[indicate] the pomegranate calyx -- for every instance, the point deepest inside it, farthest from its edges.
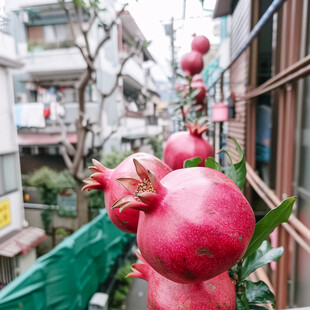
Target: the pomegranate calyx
(140, 270)
(91, 184)
(129, 183)
(155, 181)
(141, 171)
(128, 202)
(196, 129)
(98, 167)
(146, 197)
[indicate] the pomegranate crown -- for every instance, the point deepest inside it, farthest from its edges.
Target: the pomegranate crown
(98, 179)
(140, 270)
(196, 129)
(142, 192)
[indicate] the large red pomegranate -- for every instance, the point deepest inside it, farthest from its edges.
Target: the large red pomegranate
(104, 179)
(184, 145)
(192, 63)
(163, 294)
(195, 223)
(200, 44)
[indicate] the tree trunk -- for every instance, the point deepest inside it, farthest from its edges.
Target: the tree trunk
(82, 205)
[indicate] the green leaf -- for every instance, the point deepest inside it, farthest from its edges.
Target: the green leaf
(147, 43)
(268, 223)
(194, 93)
(232, 174)
(180, 75)
(79, 3)
(258, 293)
(237, 172)
(193, 162)
(240, 167)
(242, 302)
(211, 163)
(264, 255)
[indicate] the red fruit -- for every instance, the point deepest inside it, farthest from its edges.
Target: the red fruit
(184, 145)
(197, 83)
(163, 294)
(200, 44)
(104, 179)
(192, 63)
(195, 223)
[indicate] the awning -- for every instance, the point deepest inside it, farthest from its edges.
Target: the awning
(22, 242)
(222, 8)
(43, 139)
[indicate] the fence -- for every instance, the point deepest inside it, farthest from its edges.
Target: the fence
(69, 275)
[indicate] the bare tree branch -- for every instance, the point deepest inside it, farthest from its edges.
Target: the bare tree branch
(79, 15)
(66, 157)
(74, 35)
(107, 30)
(112, 132)
(119, 74)
(92, 20)
(105, 39)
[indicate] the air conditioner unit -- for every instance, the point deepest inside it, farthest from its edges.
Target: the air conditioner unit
(99, 301)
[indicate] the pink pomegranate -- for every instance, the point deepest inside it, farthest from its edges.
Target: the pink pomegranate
(197, 83)
(104, 179)
(184, 145)
(163, 294)
(192, 63)
(200, 44)
(195, 223)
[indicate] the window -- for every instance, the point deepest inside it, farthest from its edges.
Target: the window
(8, 173)
(49, 37)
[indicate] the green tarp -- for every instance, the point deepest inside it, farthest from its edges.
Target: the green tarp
(69, 275)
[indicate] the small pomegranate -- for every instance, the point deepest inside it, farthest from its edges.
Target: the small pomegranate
(195, 223)
(192, 63)
(200, 44)
(184, 145)
(104, 179)
(163, 294)
(197, 83)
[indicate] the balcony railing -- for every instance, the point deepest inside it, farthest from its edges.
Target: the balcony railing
(4, 24)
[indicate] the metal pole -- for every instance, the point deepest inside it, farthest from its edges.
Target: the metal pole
(274, 6)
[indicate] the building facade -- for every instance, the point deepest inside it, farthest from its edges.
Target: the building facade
(269, 74)
(45, 88)
(17, 239)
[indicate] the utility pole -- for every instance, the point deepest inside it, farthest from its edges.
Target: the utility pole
(173, 62)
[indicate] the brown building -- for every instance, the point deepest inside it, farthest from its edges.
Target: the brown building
(269, 74)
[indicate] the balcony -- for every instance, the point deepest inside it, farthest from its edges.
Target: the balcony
(48, 64)
(8, 54)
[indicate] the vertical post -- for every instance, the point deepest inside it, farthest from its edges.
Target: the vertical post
(217, 141)
(172, 54)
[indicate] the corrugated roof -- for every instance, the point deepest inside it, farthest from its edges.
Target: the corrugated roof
(22, 242)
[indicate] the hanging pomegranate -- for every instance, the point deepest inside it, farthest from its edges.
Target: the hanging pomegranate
(195, 223)
(192, 63)
(163, 294)
(200, 44)
(104, 179)
(197, 83)
(184, 145)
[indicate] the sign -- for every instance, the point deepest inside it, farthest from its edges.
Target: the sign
(66, 201)
(5, 213)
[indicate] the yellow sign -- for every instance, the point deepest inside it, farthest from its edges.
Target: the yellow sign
(5, 213)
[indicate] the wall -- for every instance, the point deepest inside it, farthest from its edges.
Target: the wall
(240, 29)
(8, 138)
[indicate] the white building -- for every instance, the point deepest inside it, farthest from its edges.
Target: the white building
(52, 67)
(17, 241)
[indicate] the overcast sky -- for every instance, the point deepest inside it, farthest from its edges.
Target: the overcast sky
(152, 15)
